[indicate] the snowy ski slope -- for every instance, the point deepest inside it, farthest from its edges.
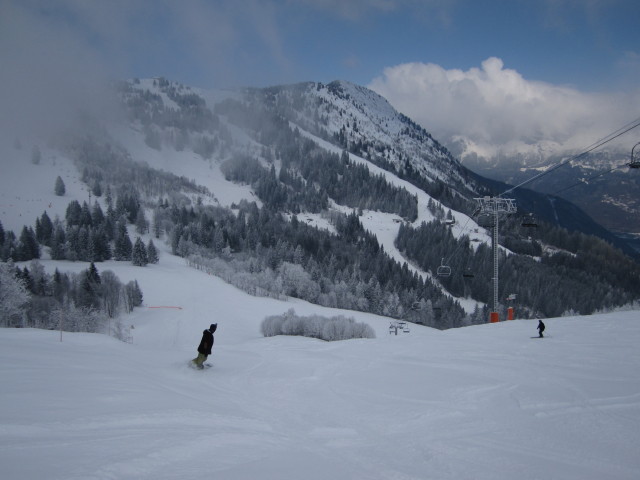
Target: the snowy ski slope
(484, 402)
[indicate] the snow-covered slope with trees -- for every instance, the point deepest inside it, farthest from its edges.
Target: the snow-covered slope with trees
(483, 402)
(225, 178)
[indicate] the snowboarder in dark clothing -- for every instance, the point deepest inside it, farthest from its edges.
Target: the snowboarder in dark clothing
(541, 328)
(204, 349)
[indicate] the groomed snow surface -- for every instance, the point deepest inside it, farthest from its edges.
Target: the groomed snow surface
(483, 402)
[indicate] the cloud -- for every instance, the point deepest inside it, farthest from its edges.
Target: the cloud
(428, 11)
(493, 110)
(59, 57)
(229, 42)
(48, 73)
(353, 9)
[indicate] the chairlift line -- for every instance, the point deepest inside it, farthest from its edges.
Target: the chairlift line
(634, 163)
(468, 273)
(529, 221)
(585, 182)
(443, 270)
(603, 141)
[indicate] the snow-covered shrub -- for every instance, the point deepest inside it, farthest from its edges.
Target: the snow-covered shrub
(315, 326)
(296, 282)
(292, 325)
(13, 297)
(80, 319)
(272, 325)
(312, 326)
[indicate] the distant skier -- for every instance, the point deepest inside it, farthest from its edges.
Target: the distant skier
(541, 328)
(204, 349)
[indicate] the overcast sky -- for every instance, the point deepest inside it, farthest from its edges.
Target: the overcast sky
(492, 71)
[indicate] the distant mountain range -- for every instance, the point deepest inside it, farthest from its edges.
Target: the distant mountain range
(600, 183)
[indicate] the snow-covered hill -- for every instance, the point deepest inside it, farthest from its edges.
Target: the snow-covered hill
(481, 402)
(376, 120)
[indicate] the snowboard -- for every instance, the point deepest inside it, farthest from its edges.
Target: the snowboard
(204, 365)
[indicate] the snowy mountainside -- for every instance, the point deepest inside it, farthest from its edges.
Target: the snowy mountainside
(27, 190)
(363, 122)
(483, 402)
(334, 157)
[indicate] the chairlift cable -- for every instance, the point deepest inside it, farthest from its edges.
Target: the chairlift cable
(603, 141)
(462, 233)
(583, 182)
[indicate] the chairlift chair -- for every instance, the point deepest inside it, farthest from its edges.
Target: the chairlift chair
(468, 273)
(443, 270)
(485, 220)
(635, 163)
(529, 221)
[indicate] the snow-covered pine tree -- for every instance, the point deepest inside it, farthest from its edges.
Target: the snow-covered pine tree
(59, 188)
(152, 252)
(139, 256)
(44, 229)
(28, 247)
(123, 247)
(142, 225)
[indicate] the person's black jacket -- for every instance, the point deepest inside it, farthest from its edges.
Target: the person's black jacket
(206, 343)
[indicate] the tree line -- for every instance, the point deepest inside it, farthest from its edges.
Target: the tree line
(551, 271)
(87, 234)
(259, 249)
(83, 302)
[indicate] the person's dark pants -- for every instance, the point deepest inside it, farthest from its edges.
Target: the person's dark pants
(199, 360)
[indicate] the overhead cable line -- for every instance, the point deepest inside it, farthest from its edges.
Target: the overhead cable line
(584, 182)
(603, 141)
(462, 234)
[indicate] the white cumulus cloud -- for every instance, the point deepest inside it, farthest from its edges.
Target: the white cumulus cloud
(498, 112)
